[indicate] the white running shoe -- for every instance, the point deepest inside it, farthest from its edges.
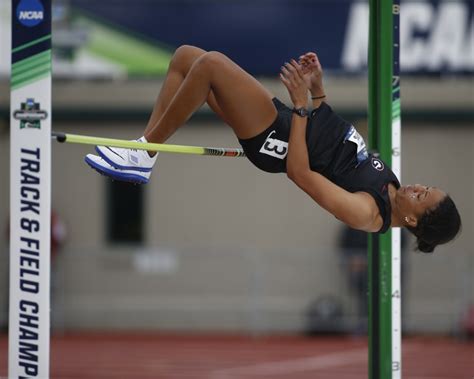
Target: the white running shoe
(103, 167)
(127, 159)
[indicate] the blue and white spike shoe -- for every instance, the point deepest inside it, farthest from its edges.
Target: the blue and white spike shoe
(127, 159)
(103, 167)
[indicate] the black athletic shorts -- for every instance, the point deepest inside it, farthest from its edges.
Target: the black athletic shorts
(268, 150)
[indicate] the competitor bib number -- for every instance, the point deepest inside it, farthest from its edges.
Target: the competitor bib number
(353, 136)
(274, 147)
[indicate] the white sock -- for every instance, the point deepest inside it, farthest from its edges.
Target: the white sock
(144, 140)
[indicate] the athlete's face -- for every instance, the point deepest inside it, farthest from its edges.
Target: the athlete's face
(413, 201)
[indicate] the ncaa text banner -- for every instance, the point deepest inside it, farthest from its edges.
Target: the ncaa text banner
(436, 36)
(30, 189)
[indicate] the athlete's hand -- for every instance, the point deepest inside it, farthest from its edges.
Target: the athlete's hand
(313, 73)
(292, 76)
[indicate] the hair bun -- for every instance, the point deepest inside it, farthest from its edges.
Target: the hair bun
(425, 247)
(437, 226)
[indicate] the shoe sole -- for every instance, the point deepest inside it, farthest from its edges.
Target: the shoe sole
(116, 165)
(124, 177)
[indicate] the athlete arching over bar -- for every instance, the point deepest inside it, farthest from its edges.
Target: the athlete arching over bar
(322, 153)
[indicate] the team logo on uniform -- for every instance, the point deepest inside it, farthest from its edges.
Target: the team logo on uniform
(30, 12)
(30, 115)
(274, 147)
(377, 164)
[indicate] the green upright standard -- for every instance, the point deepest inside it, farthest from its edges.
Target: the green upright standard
(384, 137)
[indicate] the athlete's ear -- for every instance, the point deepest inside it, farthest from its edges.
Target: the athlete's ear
(411, 221)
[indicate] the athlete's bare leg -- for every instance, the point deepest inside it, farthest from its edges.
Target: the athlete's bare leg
(194, 76)
(232, 93)
(180, 64)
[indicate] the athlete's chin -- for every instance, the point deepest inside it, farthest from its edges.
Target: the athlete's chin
(402, 195)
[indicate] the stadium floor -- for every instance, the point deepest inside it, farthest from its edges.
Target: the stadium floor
(165, 356)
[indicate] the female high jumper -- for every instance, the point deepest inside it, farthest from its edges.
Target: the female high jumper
(319, 151)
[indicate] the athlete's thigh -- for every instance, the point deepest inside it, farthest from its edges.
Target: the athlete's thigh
(246, 105)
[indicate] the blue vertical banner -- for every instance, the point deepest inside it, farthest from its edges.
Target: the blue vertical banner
(30, 189)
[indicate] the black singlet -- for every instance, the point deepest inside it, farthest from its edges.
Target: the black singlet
(335, 150)
(372, 176)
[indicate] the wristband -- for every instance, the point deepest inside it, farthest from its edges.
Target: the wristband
(318, 97)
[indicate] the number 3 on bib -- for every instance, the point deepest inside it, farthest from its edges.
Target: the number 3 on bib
(274, 147)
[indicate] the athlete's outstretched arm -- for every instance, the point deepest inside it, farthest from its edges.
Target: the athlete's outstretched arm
(358, 210)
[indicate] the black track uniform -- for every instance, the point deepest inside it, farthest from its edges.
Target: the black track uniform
(335, 150)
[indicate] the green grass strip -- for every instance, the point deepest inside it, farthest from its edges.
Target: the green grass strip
(32, 43)
(32, 62)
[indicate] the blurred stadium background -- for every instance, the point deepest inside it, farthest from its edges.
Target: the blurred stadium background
(212, 245)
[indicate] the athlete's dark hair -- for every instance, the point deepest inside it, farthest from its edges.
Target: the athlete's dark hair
(437, 226)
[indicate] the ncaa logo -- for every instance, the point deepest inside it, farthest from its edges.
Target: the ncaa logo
(30, 12)
(377, 164)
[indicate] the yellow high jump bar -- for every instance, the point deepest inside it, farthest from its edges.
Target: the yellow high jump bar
(166, 148)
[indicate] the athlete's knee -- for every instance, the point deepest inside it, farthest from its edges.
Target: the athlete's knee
(215, 57)
(185, 55)
(211, 60)
(185, 50)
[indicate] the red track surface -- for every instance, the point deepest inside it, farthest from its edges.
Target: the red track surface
(99, 355)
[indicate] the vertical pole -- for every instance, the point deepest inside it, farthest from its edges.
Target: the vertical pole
(30, 190)
(381, 60)
(396, 168)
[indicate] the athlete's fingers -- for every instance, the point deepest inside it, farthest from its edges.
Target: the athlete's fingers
(307, 57)
(286, 72)
(286, 67)
(303, 60)
(290, 67)
(297, 71)
(315, 59)
(287, 75)
(294, 73)
(285, 81)
(290, 82)
(317, 64)
(290, 73)
(311, 58)
(298, 68)
(293, 68)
